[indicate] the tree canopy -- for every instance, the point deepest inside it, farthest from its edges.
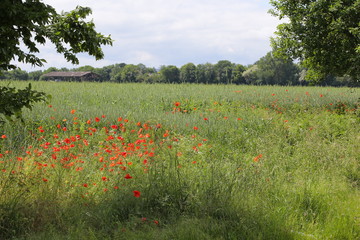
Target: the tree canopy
(29, 23)
(323, 34)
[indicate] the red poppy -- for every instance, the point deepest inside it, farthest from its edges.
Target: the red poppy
(72, 111)
(136, 194)
(3, 136)
(127, 176)
(257, 158)
(177, 104)
(44, 179)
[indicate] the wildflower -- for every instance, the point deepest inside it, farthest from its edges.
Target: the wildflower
(156, 222)
(136, 194)
(73, 111)
(196, 128)
(97, 119)
(44, 180)
(85, 185)
(104, 178)
(257, 158)
(127, 176)
(3, 136)
(177, 104)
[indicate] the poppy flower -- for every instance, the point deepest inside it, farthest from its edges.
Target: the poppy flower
(257, 158)
(177, 104)
(127, 176)
(3, 136)
(136, 194)
(72, 111)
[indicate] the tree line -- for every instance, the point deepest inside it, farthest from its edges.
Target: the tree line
(268, 70)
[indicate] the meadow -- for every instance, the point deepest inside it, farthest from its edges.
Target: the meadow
(138, 161)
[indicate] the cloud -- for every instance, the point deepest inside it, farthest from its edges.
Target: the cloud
(163, 32)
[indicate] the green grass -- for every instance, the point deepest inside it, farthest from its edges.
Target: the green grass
(229, 162)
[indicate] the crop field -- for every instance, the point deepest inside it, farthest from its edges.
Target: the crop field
(137, 161)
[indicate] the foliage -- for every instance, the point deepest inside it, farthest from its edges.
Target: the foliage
(273, 70)
(268, 70)
(33, 22)
(188, 73)
(12, 100)
(323, 35)
(170, 74)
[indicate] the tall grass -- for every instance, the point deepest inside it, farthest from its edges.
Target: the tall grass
(209, 162)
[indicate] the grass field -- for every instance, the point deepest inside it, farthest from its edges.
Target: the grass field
(136, 161)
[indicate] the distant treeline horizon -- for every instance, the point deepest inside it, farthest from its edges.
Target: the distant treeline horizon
(268, 70)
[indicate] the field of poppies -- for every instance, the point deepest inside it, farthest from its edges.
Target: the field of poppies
(137, 161)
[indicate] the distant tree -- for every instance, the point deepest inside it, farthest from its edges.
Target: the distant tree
(223, 71)
(35, 75)
(17, 74)
(205, 73)
(130, 73)
(323, 35)
(188, 73)
(170, 74)
(115, 73)
(237, 74)
(86, 68)
(273, 70)
(250, 75)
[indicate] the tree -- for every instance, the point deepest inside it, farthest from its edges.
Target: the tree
(170, 74)
(273, 70)
(188, 73)
(205, 73)
(323, 34)
(237, 74)
(33, 22)
(223, 71)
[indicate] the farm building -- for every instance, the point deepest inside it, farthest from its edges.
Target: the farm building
(71, 76)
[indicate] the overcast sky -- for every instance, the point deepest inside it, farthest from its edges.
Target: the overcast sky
(173, 32)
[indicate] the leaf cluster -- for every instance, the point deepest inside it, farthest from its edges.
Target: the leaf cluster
(12, 100)
(32, 22)
(324, 35)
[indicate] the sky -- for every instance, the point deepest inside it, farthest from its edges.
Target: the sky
(172, 32)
